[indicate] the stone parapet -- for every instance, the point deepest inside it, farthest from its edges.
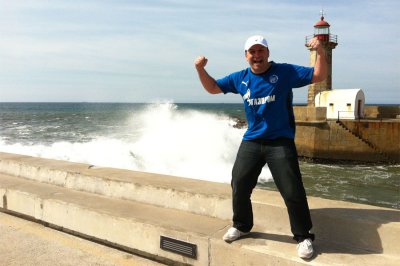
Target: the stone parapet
(382, 112)
(309, 114)
(134, 209)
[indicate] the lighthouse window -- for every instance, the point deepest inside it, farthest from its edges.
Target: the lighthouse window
(321, 30)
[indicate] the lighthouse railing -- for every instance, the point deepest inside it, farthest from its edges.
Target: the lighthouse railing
(332, 37)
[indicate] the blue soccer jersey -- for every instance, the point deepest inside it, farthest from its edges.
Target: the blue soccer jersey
(268, 98)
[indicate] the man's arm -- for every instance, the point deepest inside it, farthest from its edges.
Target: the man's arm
(320, 67)
(206, 80)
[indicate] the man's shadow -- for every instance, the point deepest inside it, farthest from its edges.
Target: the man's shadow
(355, 231)
(349, 231)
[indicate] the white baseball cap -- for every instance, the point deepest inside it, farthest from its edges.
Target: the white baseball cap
(253, 40)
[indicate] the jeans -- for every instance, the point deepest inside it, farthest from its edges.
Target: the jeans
(282, 160)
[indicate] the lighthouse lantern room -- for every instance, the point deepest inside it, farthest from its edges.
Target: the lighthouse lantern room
(321, 30)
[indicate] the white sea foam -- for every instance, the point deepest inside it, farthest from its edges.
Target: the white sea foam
(164, 140)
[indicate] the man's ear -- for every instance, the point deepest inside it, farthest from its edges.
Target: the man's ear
(245, 56)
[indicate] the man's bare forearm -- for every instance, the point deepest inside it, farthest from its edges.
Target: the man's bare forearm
(321, 66)
(206, 80)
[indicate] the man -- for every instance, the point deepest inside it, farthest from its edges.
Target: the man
(266, 89)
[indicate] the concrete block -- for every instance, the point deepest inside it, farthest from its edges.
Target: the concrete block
(114, 199)
(130, 224)
(260, 253)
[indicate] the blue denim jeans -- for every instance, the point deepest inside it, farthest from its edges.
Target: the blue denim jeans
(281, 157)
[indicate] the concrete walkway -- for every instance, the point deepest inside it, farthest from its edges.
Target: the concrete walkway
(136, 210)
(27, 243)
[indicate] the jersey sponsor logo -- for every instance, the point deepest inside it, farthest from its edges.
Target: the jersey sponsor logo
(257, 101)
(260, 101)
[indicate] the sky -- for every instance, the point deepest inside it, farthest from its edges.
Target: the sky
(143, 50)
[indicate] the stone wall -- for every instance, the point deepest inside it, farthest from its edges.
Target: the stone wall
(353, 140)
(384, 135)
(328, 140)
(382, 111)
(306, 113)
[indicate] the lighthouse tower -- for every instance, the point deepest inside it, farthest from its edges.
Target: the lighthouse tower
(329, 41)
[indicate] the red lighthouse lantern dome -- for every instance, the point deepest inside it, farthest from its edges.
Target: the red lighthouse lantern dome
(322, 23)
(321, 29)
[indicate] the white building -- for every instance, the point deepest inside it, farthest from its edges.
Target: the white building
(342, 104)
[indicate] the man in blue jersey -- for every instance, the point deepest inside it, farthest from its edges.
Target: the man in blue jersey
(266, 89)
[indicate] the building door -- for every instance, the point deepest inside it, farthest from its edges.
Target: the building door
(359, 109)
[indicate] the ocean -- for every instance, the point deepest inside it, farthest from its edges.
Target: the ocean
(197, 141)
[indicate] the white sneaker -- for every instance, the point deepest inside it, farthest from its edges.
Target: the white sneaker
(305, 249)
(232, 234)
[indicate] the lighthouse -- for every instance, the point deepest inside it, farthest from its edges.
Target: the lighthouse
(329, 42)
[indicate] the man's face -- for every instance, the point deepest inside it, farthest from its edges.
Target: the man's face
(257, 56)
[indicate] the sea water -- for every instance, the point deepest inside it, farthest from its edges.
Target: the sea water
(189, 140)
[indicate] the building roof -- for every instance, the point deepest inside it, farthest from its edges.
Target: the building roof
(339, 95)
